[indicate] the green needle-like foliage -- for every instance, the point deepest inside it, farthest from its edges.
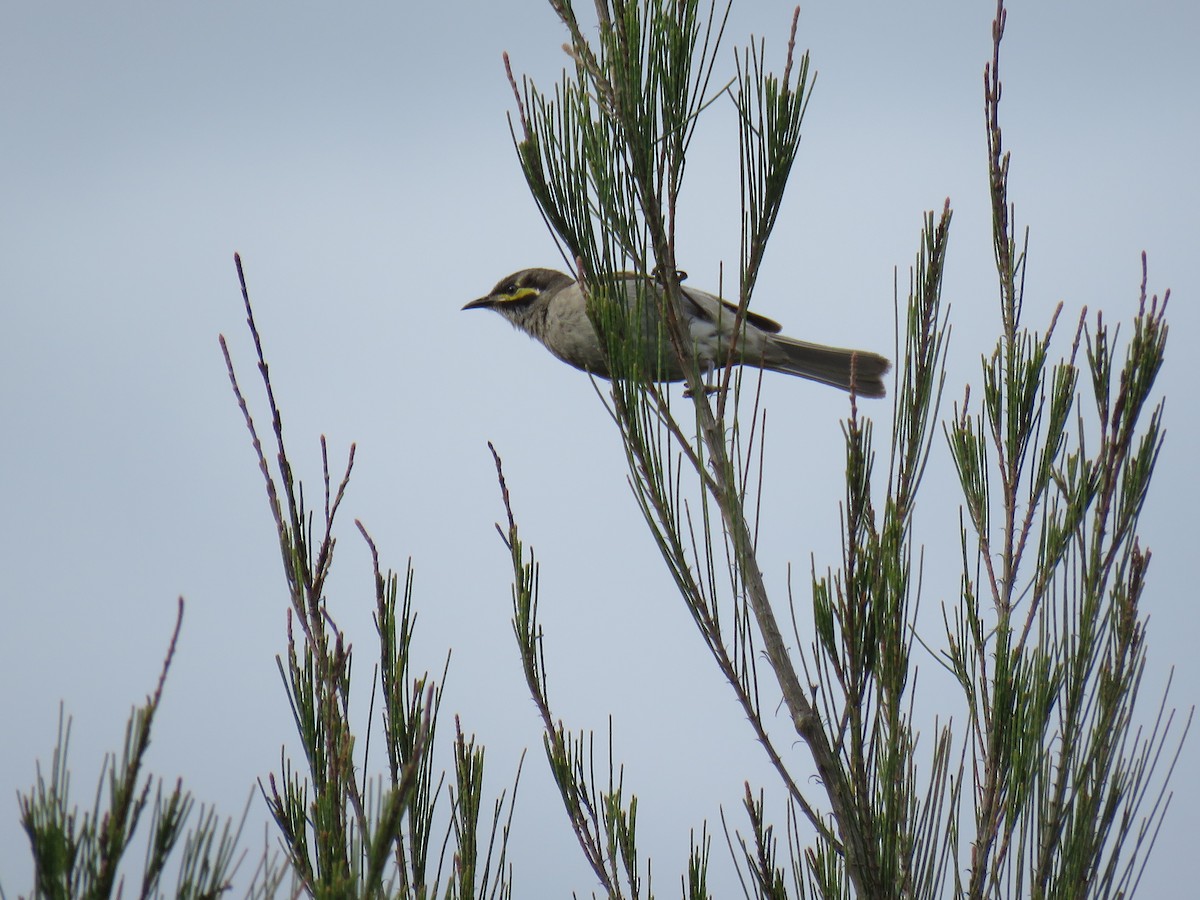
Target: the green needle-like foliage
(345, 833)
(81, 857)
(1046, 642)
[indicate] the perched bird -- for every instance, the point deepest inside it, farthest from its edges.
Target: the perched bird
(551, 307)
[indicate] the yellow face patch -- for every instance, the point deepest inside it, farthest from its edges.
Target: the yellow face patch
(522, 293)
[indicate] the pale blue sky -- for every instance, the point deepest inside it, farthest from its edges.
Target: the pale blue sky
(360, 161)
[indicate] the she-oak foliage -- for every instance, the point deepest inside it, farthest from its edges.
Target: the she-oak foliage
(1048, 789)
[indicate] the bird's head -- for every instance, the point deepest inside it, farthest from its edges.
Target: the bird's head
(515, 295)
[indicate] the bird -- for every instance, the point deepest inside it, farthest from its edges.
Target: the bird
(551, 307)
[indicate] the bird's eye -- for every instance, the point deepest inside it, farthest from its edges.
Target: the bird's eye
(510, 288)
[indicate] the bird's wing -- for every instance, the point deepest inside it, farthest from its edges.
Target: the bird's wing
(706, 306)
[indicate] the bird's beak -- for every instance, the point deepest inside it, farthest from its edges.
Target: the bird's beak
(481, 303)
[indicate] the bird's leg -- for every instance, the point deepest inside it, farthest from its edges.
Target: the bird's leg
(680, 275)
(709, 387)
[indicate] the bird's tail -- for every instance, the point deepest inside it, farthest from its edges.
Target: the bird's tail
(834, 366)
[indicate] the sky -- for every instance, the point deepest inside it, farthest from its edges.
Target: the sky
(359, 159)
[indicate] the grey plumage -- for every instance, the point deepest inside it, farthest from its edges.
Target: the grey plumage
(551, 307)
